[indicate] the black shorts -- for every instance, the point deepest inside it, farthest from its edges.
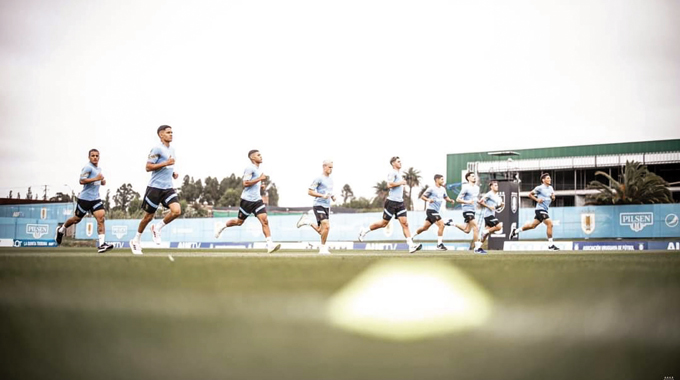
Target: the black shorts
(468, 216)
(154, 197)
(491, 221)
(432, 216)
(247, 207)
(83, 207)
(394, 210)
(541, 215)
(321, 213)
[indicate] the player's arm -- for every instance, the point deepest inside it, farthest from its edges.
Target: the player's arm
(483, 203)
(152, 166)
(534, 198)
(552, 196)
(251, 182)
(84, 180)
(446, 197)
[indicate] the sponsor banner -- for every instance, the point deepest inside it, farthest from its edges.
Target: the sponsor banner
(6, 242)
(34, 243)
(449, 246)
(537, 245)
(381, 246)
(611, 246)
(664, 245)
(208, 245)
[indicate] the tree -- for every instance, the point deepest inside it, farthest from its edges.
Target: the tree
(346, 193)
(412, 178)
(211, 191)
(198, 188)
(381, 192)
(273, 193)
(124, 195)
(420, 194)
(10, 194)
(230, 198)
(637, 185)
(60, 197)
(107, 200)
(29, 194)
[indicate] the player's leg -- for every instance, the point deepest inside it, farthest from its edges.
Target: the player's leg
(426, 226)
(440, 235)
(264, 220)
(261, 215)
(102, 246)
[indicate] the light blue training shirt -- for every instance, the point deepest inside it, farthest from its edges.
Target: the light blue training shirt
(90, 190)
(322, 185)
(492, 199)
(469, 192)
(396, 193)
(437, 194)
(252, 192)
(161, 178)
(543, 192)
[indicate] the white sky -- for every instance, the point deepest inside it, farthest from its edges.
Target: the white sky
(302, 81)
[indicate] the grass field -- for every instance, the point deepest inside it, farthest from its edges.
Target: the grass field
(69, 313)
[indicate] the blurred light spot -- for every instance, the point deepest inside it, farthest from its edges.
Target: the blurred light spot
(408, 299)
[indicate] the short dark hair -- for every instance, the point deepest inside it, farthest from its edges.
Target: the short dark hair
(437, 176)
(393, 159)
(544, 175)
(92, 150)
(468, 174)
(492, 182)
(251, 152)
(162, 128)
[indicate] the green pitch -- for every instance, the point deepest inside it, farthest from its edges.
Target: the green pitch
(70, 313)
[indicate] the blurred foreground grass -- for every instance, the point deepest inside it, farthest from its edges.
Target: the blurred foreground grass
(69, 313)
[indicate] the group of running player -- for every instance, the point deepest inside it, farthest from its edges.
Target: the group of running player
(160, 190)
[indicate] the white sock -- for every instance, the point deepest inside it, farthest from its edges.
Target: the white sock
(322, 247)
(409, 241)
(550, 240)
(62, 229)
(101, 239)
(478, 244)
(138, 237)
(161, 225)
(484, 232)
(440, 240)
(269, 240)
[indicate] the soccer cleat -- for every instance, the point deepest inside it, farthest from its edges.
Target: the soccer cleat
(449, 223)
(553, 248)
(480, 251)
(135, 247)
(514, 234)
(60, 235)
(415, 247)
(271, 248)
(156, 234)
(219, 232)
(441, 247)
(104, 247)
(324, 251)
(362, 234)
(303, 221)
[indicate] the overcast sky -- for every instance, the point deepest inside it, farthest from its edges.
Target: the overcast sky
(303, 81)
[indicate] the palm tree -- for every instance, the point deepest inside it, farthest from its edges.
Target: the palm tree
(412, 177)
(637, 186)
(381, 191)
(420, 194)
(346, 193)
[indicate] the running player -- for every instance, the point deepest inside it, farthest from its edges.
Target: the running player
(434, 196)
(468, 197)
(542, 194)
(322, 191)
(91, 178)
(161, 164)
(490, 202)
(251, 200)
(394, 206)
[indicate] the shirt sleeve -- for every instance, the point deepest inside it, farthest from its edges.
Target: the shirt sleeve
(85, 173)
(315, 184)
(154, 156)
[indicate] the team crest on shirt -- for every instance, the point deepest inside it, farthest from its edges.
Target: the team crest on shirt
(501, 194)
(514, 202)
(588, 223)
